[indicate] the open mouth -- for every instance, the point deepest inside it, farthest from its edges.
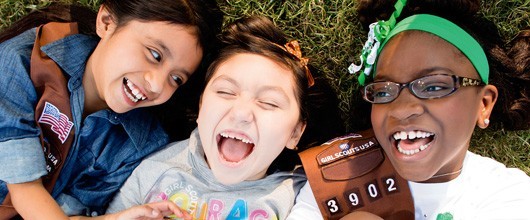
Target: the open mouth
(412, 142)
(234, 148)
(132, 92)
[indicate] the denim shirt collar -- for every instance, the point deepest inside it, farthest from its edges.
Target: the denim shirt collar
(137, 122)
(71, 54)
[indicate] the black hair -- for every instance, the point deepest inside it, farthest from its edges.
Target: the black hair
(178, 114)
(318, 103)
(509, 62)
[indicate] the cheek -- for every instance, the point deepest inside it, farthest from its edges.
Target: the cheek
(209, 113)
(457, 109)
(278, 131)
(378, 116)
(167, 93)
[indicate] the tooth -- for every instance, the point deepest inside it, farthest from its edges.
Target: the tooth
(403, 135)
(135, 92)
(396, 136)
(130, 96)
(412, 135)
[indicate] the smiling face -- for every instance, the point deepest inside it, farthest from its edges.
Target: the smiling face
(139, 64)
(249, 112)
(425, 138)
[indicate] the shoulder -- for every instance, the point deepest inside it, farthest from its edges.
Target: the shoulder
(15, 55)
(156, 164)
(493, 180)
(17, 51)
(172, 152)
(21, 42)
(480, 167)
(173, 155)
(288, 184)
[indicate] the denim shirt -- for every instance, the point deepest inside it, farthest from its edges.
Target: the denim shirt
(107, 146)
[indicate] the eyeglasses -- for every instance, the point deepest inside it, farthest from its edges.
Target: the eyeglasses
(427, 87)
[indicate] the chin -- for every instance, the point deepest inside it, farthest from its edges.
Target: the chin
(227, 180)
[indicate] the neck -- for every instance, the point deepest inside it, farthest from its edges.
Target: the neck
(92, 102)
(444, 177)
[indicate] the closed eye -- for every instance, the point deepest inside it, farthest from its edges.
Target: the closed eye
(225, 93)
(268, 105)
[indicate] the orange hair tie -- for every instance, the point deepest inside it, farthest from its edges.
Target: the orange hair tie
(294, 48)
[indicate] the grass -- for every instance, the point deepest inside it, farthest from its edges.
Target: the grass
(330, 34)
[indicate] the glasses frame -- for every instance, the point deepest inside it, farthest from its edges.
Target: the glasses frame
(458, 82)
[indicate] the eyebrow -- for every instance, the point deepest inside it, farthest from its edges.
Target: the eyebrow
(261, 89)
(416, 75)
(275, 89)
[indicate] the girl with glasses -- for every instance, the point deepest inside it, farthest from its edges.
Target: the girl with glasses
(433, 72)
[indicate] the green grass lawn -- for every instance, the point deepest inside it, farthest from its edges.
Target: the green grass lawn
(331, 36)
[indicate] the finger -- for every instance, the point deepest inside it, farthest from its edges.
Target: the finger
(168, 208)
(139, 212)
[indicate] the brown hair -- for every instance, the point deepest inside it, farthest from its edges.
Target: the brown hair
(318, 103)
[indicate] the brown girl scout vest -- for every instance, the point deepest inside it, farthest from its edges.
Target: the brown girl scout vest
(52, 113)
(352, 173)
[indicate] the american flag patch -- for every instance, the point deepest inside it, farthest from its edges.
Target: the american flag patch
(60, 123)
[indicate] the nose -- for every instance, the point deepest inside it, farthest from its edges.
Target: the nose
(156, 81)
(242, 111)
(406, 106)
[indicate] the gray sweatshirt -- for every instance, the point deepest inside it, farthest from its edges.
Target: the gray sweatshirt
(179, 173)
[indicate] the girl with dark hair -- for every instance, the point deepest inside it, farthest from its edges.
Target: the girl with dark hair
(433, 71)
(260, 102)
(73, 122)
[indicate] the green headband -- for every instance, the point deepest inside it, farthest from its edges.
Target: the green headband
(382, 31)
(451, 33)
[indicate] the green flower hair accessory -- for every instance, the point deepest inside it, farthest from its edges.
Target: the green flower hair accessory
(378, 33)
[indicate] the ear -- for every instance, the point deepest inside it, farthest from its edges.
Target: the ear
(489, 96)
(200, 104)
(296, 135)
(105, 24)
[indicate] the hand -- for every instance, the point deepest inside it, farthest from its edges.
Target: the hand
(32, 201)
(361, 215)
(156, 210)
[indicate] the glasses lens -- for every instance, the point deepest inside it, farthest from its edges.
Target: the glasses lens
(433, 86)
(381, 92)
